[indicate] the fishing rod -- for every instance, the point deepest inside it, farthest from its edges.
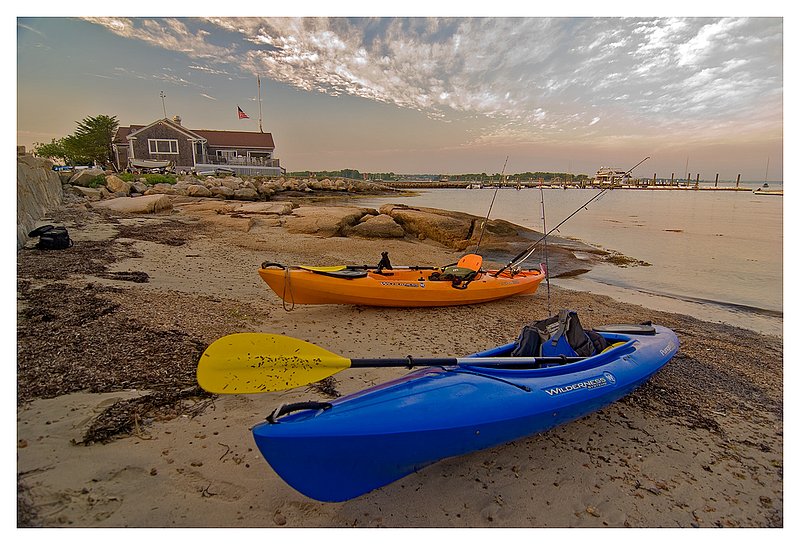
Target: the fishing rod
(485, 221)
(546, 261)
(525, 254)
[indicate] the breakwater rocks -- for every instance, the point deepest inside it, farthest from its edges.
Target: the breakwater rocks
(95, 185)
(241, 203)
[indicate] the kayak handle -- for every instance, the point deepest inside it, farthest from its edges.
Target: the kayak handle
(301, 406)
(266, 264)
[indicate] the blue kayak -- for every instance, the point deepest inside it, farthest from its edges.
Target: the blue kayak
(340, 450)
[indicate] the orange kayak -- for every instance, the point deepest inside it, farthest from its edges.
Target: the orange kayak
(398, 287)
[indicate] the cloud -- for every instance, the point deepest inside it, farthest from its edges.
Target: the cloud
(529, 77)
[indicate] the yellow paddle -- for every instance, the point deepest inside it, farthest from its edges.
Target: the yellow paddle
(331, 268)
(253, 363)
(249, 363)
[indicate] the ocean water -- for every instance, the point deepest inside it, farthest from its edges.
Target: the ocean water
(715, 255)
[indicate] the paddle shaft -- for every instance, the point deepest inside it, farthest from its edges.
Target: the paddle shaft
(253, 363)
(489, 361)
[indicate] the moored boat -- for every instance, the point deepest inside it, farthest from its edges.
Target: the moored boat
(338, 450)
(765, 190)
(462, 283)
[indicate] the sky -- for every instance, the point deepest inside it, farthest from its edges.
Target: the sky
(429, 94)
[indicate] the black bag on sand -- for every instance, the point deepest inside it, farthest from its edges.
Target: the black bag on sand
(51, 238)
(560, 335)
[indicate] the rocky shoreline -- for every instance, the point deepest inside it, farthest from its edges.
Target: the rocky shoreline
(109, 417)
(285, 202)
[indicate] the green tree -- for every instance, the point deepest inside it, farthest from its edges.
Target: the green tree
(91, 142)
(94, 136)
(54, 150)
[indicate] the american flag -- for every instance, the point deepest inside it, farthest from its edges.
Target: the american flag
(242, 115)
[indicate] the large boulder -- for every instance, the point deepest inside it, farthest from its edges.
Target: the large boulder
(85, 176)
(326, 221)
(380, 226)
(431, 223)
(146, 204)
(38, 191)
(115, 184)
(162, 189)
(197, 190)
(90, 193)
(222, 191)
(245, 194)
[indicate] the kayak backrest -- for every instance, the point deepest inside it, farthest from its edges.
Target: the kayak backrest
(559, 335)
(472, 262)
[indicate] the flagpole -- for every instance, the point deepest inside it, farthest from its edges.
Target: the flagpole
(259, 104)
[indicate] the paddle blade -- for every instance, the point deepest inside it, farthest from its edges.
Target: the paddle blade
(252, 363)
(331, 268)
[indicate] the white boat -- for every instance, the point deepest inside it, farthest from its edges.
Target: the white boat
(765, 190)
(149, 164)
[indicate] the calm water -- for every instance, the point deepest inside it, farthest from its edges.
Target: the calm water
(716, 255)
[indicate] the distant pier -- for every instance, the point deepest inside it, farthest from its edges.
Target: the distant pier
(643, 185)
(605, 179)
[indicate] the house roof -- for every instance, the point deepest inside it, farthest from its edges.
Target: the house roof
(232, 139)
(237, 138)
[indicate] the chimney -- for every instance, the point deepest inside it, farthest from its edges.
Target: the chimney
(176, 119)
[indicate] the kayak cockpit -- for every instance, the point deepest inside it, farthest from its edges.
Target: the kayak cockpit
(619, 346)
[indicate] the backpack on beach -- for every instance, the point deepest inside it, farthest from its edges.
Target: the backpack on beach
(559, 335)
(51, 238)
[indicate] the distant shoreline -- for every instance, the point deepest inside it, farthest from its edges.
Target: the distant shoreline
(424, 184)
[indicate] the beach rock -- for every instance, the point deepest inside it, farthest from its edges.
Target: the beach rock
(431, 223)
(115, 184)
(266, 190)
(91, 193)
(326, 221)
(233, 182)
(279, 208)
(197, 190)
(245, 194)
(161, 189)
(222, 191)
(39, 189)
(380, 226)
(84, 176)
(146, 204)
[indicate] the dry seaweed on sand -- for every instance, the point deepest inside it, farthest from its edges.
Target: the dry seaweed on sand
(74, 338)
(133, 415)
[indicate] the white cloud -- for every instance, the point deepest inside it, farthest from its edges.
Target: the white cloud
(524, 76)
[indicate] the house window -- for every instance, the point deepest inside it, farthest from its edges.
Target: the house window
(226, 153)
(163, 146)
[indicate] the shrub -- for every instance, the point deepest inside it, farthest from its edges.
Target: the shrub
(97, 181)
(149, 179)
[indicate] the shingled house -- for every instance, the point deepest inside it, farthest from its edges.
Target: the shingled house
(167, 141)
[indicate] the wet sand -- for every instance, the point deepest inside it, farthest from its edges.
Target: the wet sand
(128, 309)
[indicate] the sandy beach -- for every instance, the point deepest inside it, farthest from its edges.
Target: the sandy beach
(112, 431)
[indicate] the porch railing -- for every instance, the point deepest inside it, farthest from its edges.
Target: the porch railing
(238, 161)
